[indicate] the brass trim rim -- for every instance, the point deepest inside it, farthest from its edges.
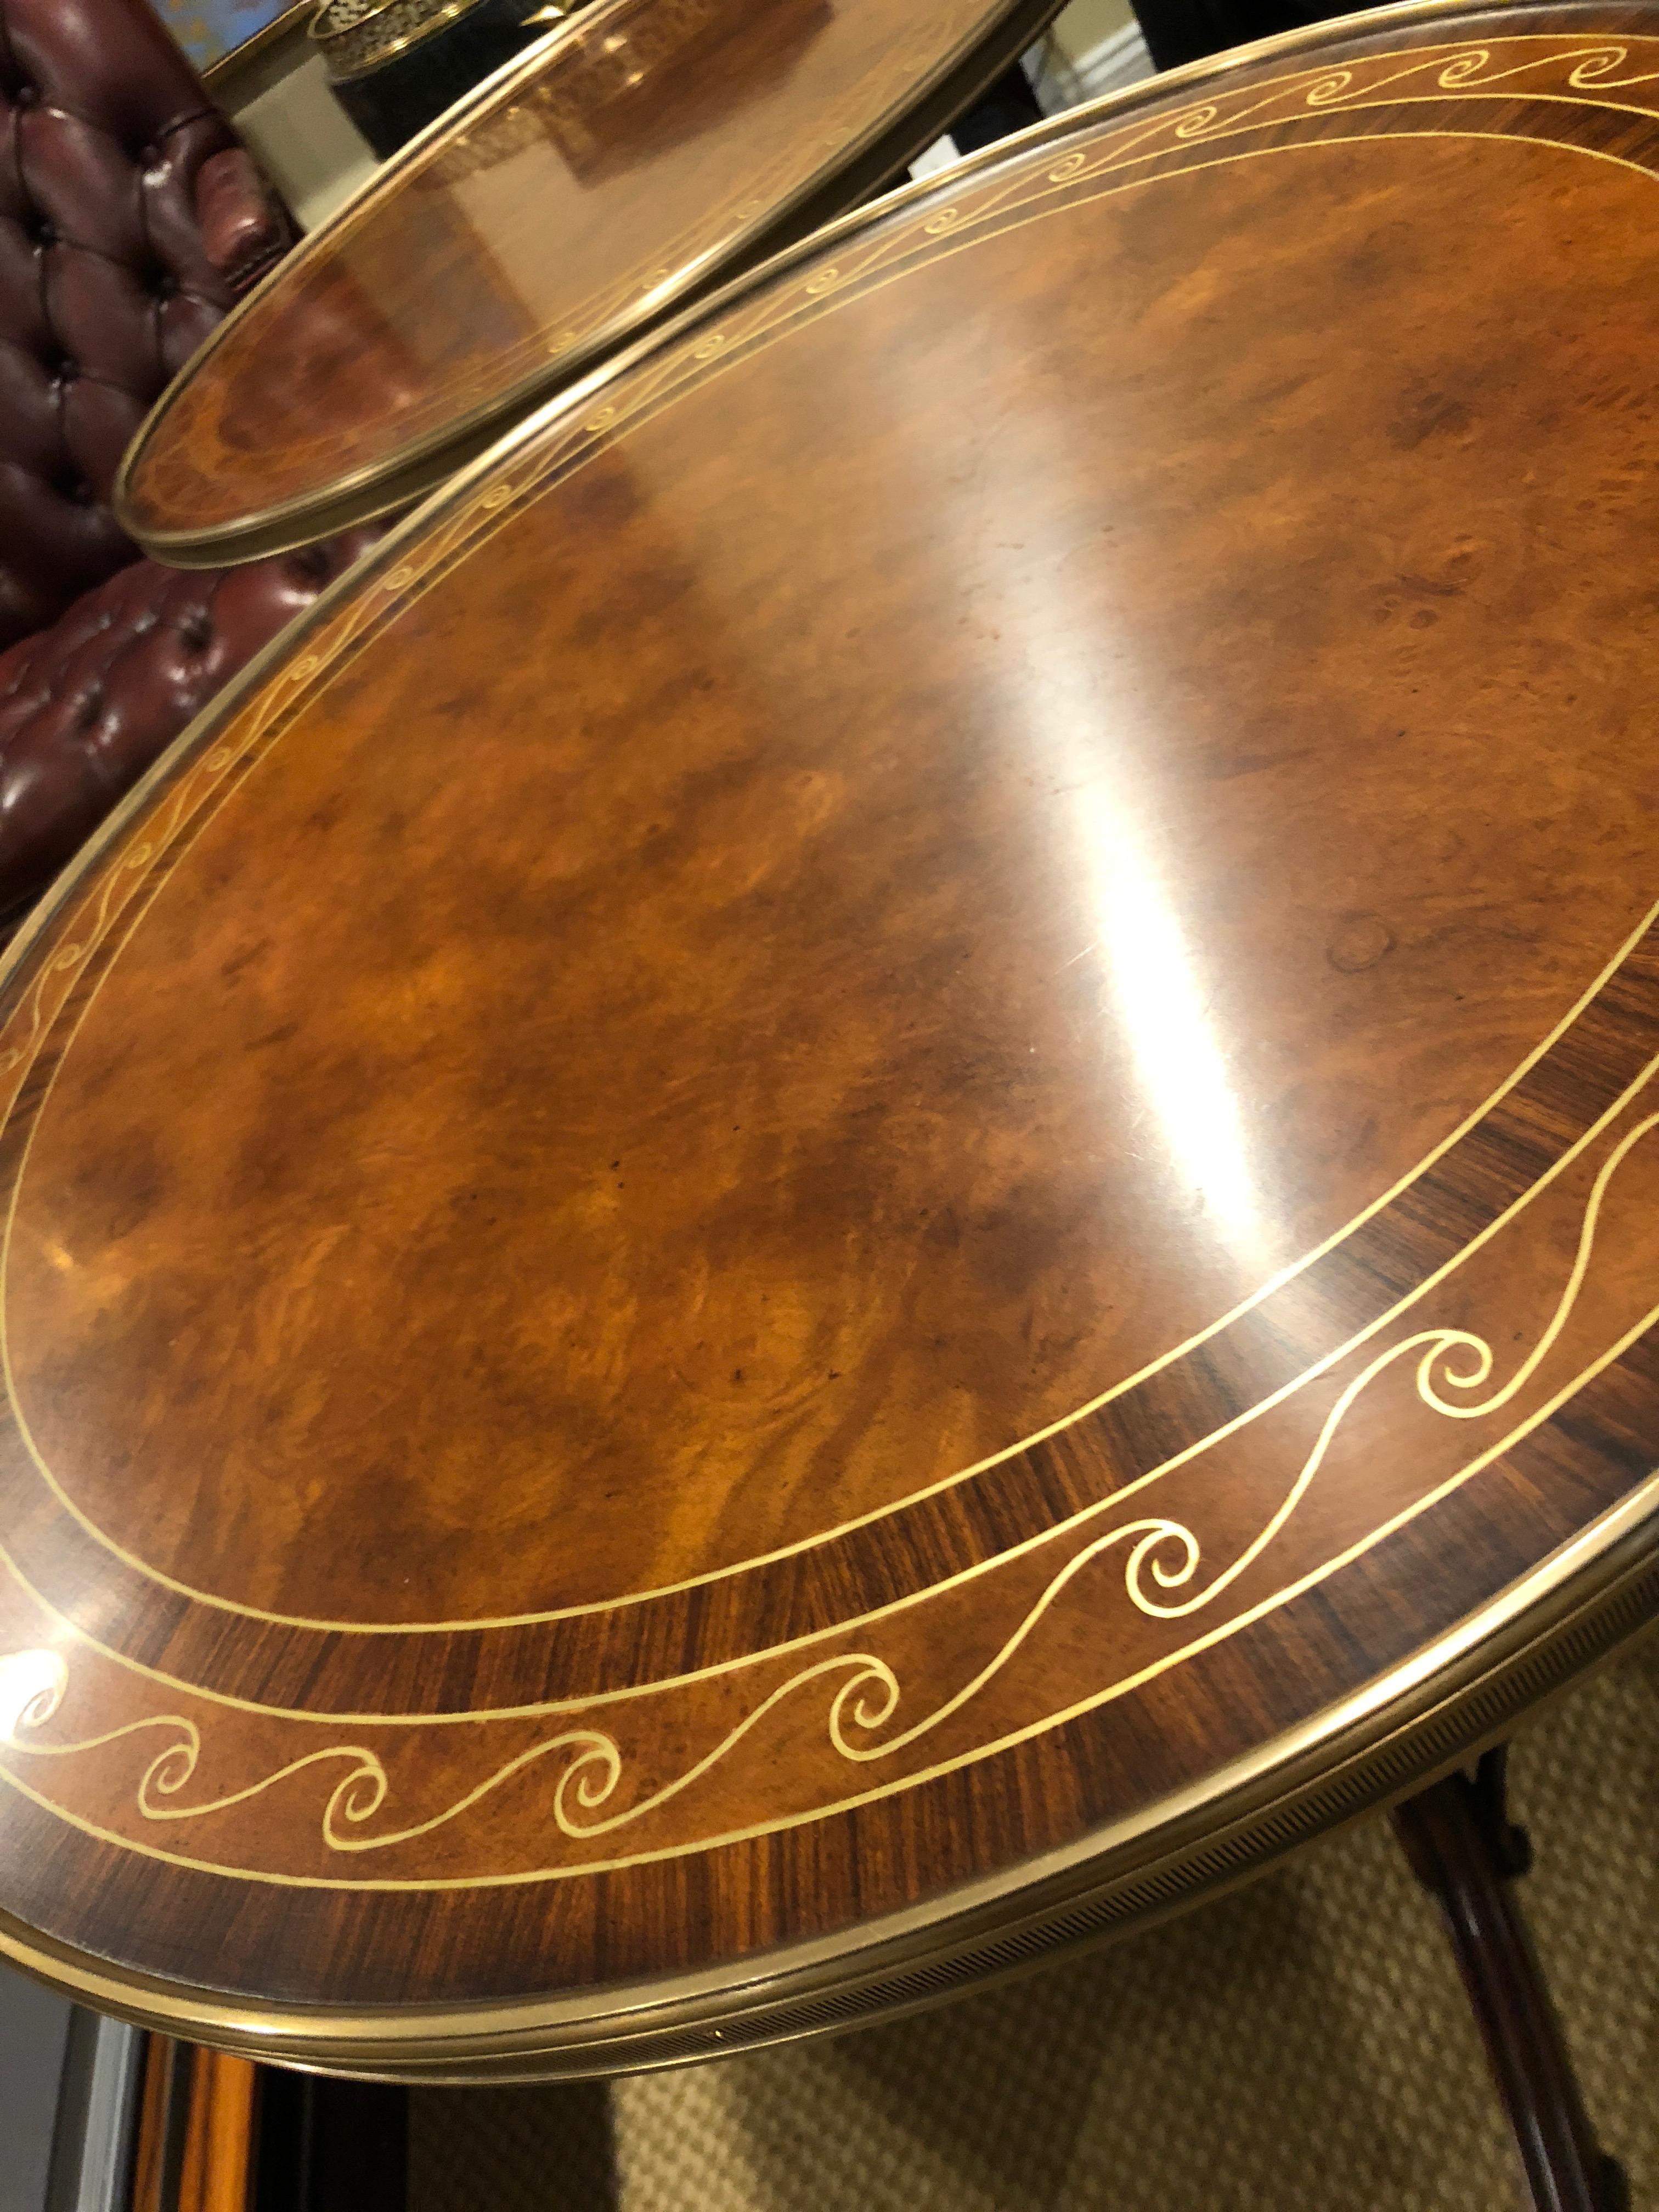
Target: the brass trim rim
(1383, 1741)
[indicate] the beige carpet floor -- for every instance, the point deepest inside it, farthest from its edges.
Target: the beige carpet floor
(1303, 2044)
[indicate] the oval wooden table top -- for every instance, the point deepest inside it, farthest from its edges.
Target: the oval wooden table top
(872, 1170)
(645, 151)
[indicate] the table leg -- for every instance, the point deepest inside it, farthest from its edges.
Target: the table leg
(1463, 1847)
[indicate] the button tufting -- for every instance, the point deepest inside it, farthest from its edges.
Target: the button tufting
(26, 95)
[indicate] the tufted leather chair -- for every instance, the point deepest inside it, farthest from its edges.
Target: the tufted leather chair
(130, 220)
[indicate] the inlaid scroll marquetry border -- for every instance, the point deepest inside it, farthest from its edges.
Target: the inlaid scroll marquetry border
(1455, 1377)
(1382, 1271)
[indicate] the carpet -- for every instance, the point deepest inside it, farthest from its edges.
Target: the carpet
(1302, 2044)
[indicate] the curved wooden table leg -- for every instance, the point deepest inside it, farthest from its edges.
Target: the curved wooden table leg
(1463, 1847)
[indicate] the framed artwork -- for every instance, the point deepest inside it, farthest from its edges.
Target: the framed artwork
(208, 30)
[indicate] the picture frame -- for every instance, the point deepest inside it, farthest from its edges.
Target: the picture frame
(213, 31)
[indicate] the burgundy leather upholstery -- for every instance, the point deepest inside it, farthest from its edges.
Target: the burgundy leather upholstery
(131, 218)
(245, 231)
(86, 705)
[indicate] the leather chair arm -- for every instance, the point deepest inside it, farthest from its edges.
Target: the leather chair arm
(246, 230)
(86, 705)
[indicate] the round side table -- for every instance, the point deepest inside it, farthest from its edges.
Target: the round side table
(641, 152)
(868, 1176)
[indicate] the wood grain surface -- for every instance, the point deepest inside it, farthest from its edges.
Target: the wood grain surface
(899, 1100)
(648, 148)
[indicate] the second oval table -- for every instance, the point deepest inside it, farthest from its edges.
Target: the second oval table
(870, 1174)
(639, 153)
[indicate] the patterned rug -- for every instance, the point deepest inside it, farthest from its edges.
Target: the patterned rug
(1303, 2044)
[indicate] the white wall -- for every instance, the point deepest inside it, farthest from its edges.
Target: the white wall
(1080, 27)
(301, 135)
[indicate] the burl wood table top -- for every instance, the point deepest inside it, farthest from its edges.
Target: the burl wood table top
(872, 1170)
(646, 149)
